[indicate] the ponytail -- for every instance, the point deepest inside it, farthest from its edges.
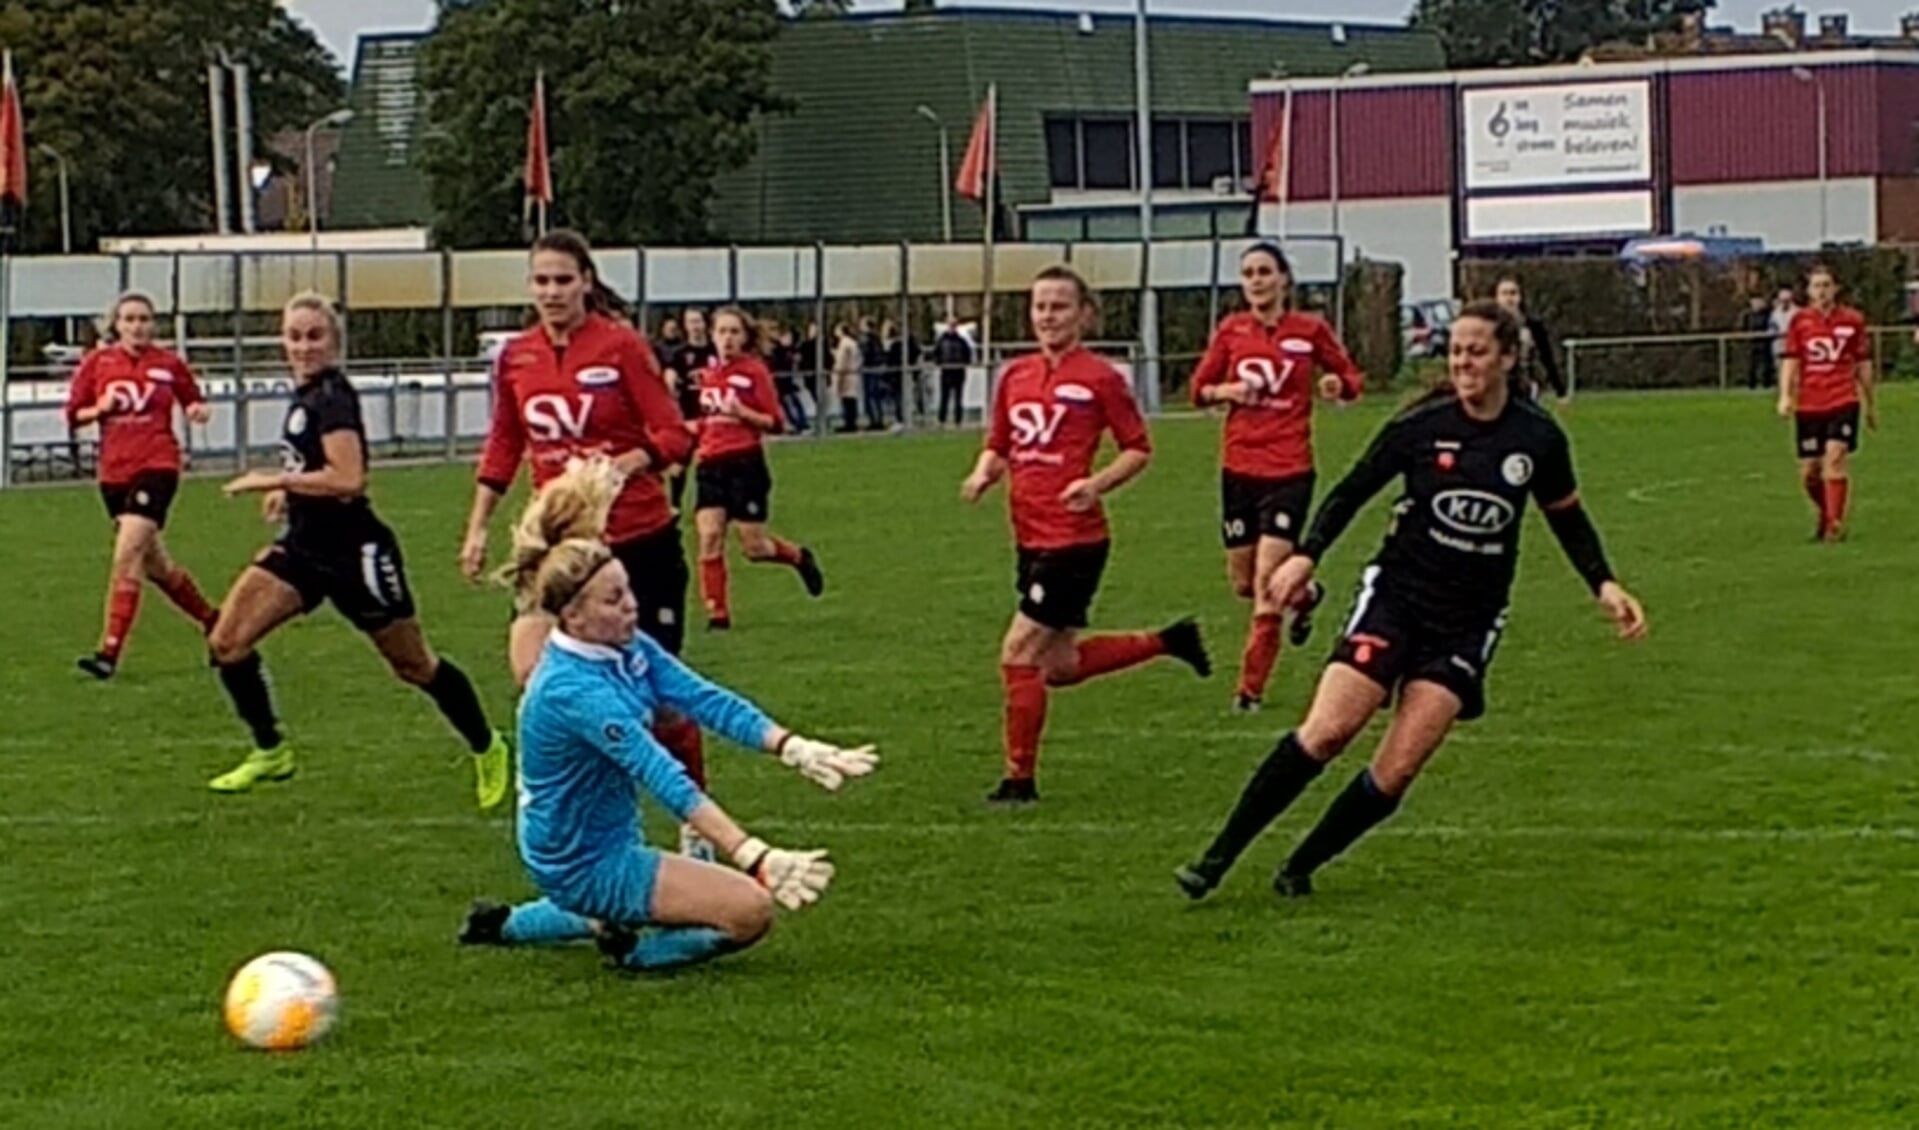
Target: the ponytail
(556, 543)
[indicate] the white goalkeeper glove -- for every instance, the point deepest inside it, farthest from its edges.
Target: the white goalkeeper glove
(794, 878)
(827, 765)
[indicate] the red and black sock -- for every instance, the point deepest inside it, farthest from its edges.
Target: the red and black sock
(1837, 495)
(713, 588)
(1025, 718)
(123, 604)
(1102, 655)
(681, 737)
(785, 553)
(1262, 651)
(185, 595)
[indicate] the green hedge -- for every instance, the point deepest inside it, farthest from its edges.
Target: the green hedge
(1598, 297)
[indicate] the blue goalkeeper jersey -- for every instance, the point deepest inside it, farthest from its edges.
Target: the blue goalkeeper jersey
(585, 744)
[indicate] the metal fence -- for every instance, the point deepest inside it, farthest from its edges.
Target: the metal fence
(435, 403)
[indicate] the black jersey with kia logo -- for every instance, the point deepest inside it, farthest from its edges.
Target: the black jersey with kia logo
(1453, 546)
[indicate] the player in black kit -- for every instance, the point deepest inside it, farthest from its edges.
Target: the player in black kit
(334, 548)
(1431, 605)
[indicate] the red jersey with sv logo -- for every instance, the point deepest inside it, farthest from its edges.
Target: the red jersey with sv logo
(1047, 423)
(1271, 435)
(599, 394)
(142, 389)
(1829, 348)
(745, 380)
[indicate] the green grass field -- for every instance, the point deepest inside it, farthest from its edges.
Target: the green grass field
(1664, 885)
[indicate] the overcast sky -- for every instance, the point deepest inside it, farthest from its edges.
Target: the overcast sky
(340, 21)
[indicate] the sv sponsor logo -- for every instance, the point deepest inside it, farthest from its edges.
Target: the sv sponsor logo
(129, 397)
(1035, 424)
(555, 418)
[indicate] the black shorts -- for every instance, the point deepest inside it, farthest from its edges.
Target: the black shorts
(1056, 586)
(1392, 641)
(740, 484)
(656, 568)
(1817, 429)
(148, 495)
(1251, 508)
(365, 578)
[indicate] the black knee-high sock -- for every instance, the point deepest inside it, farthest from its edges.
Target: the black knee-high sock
(1356, 811)
(1276, 784)
(453, 693)
(246, 684)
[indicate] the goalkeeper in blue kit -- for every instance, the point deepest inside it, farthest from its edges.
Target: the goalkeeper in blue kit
(585, 744)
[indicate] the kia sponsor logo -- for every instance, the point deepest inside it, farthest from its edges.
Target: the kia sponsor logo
(1473, 511)
(599, 375)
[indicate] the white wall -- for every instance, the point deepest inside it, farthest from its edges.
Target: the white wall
(1783, 213)
(1416, 232)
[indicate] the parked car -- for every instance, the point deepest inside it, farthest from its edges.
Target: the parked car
(1425, 327)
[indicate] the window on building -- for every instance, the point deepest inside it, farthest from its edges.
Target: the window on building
(1209, 153)
(1169, 154)
(1062, 152)
(1106, 153)
(1188, 153)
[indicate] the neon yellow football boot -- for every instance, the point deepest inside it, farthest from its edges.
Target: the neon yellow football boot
(492, 771)
(274, 764)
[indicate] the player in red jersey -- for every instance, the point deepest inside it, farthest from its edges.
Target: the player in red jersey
(1825, 378)
(738, 404)
(1266, 365)
(130, 389)
(1049, 413)
(578, 383)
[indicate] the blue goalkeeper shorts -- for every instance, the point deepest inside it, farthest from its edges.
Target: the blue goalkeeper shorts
(618, 889)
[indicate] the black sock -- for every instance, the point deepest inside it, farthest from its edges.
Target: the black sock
(1276, 784)
(453, 693)
(1352, 814)
(246, 684)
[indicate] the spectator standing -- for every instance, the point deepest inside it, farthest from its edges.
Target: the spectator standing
(1538, 365)
(1757, 324)
(784, 359)
(848, 363)
(952, 353)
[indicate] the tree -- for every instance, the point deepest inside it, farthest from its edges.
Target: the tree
(648, 101)
(119, 88)
(825, 9)
(1506, 33)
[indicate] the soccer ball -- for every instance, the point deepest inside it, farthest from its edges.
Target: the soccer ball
(281, 1001)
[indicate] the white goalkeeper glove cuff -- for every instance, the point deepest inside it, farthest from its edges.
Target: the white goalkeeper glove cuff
(825, 764)
(795, 879)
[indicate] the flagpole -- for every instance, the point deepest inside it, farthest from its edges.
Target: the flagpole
(11, 216)
(986, 246)
(1284, 159)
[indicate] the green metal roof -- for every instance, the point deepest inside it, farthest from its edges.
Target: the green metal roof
(377, 182)
(854, 162)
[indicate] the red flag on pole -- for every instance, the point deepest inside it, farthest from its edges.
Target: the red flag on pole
(13, 148)
(538, 175)
(982, 159)
(1272, 182)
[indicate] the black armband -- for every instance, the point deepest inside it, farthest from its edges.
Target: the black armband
(1581, 542)
(496, 486)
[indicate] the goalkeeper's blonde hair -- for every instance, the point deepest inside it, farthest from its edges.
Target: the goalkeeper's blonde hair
(556, 543)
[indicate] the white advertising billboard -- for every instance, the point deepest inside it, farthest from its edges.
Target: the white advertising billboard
(1557, 136)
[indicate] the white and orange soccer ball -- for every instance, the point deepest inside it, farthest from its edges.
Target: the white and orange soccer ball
(281, 1001)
